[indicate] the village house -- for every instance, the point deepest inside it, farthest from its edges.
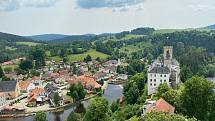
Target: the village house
(100, 76)
(26, 86)
(10, 89)
(37, 96)
(166, 70)
(50, 91)
(158, 106)
(3, 101)
(37, 81)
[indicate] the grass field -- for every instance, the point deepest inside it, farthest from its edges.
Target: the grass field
(10, 66)
(80, 57)
(135, 47)
(28, 43)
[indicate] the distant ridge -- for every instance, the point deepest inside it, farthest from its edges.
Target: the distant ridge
(211, 27)
(47, 37)
(13, 38)
(76, 38)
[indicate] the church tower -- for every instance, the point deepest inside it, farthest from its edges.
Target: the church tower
(167, 55)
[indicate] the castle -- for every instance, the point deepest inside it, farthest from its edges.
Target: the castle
(166, 70)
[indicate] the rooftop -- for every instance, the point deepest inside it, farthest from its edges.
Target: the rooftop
(7, 86)
(160, 70)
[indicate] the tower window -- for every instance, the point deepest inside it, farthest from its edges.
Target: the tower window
(150, 80)
(161, 81)
(161, 75)
(154, 80)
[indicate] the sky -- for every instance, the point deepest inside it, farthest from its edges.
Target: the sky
(33, 17)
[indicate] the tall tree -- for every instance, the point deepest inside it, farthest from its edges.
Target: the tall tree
(163, 88)
(74, 117)
(56, 99)
(88, 58)
(26, 65)
(196, 97)
(1, 72)
(40, 116)
(77, 91)
(97, 110)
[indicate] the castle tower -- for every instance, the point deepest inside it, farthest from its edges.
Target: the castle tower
(167, 55)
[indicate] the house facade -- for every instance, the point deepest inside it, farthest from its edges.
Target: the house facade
(166, 70)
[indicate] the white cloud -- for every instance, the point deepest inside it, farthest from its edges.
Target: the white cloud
(88, 4)
(10, 5)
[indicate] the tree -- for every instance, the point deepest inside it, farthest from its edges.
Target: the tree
(77, 91)
(140, 79)
(114, 106)
(173, 97)
(26, 65)
(88, 58)
(98, 59)
(74, 117)
(163, 88)
(40, 116)
(56, 99)
(186, 73)
(131, 93)
(38, 55)
(97, 110)
(196, 97)
(1, 72)
(159, 116)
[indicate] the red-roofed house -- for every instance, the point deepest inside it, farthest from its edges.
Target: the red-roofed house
(159, 106)
(26, 86)
(37, 96)
(89, 82)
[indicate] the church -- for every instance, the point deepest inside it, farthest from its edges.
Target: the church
(165, 70)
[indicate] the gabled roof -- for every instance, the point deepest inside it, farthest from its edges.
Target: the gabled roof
(160, 70)
(162, 106)
(8, 86)
(24, 84)
(50, 88)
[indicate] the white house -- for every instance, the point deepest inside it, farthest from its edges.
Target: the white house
(166, 70)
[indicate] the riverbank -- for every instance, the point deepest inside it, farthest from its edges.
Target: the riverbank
(58, 109)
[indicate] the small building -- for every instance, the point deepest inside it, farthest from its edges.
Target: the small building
(10, 88)
(158, 106)
(26, 86)
(37, 96)
(50, 91)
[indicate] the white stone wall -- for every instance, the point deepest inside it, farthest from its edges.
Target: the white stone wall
(154, 80)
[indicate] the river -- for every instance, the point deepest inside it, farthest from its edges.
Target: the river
(112, 93)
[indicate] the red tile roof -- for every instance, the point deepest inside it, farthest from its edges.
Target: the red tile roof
(162, 106)
(24, 85)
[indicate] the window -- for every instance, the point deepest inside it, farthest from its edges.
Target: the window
(154, 75)
(165, 80)
(154, 84)
(161, 75)
(161, 81)
(154, 80)
(150, 80)
(150, 84)
(165, 75)
(151, 75)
